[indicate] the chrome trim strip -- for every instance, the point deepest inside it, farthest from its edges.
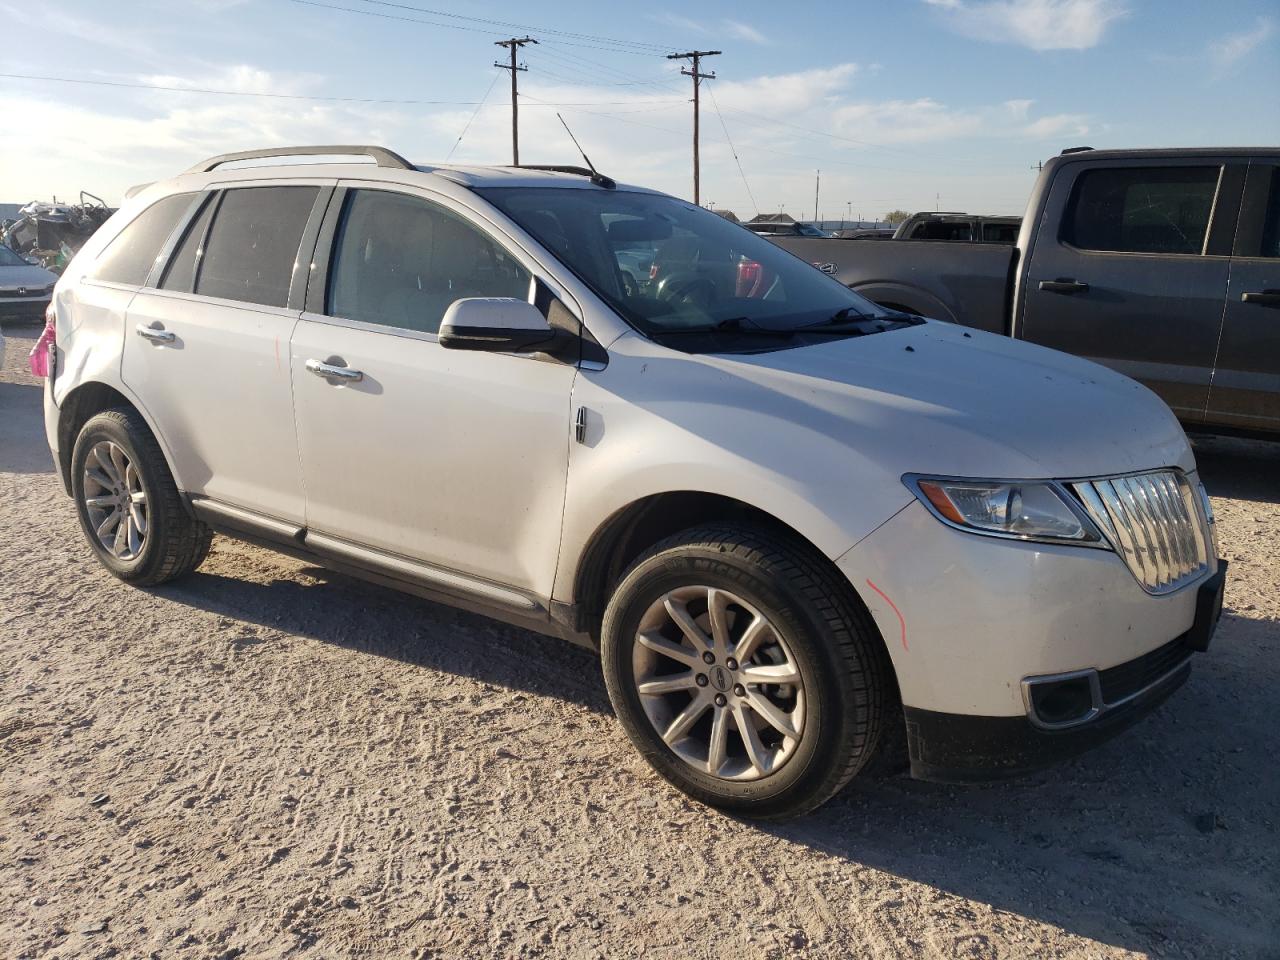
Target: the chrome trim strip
(215, 512)
(1100, 707)
(444, 580)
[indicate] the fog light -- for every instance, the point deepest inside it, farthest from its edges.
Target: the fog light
(1062, 701)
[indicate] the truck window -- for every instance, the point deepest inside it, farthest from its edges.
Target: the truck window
(951, 230)
(1271, 230)
(1000, 233)
(1141, 209)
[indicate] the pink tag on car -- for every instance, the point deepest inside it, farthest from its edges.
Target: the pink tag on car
(39, 358)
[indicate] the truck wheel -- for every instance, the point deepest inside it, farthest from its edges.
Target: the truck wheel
(744, 670)
(128, 504)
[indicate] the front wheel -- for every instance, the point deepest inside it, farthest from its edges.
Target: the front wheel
(744, 670)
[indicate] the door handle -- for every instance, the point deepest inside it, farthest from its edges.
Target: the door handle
(1267, 298)
(1063, 285)
(334, 371)
(155, 334)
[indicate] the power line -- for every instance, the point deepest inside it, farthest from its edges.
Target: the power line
(507, 23)
(453, 26)
(231, 93)
(712, 90)
(474, 114)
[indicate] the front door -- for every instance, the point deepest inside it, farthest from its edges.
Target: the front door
(207, 350)
(448, 458)
(1126, 277)
(1246, 378)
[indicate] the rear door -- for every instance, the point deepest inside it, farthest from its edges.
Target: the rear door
(1246, 377)
(1133, 272)
(207, 346)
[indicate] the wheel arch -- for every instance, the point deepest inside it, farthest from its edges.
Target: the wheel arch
(86, 401)
(898, 296)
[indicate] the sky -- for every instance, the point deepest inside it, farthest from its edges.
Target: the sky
(911, 104)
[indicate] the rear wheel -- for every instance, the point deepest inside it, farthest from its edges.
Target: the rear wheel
(129, 506)
(744, 670)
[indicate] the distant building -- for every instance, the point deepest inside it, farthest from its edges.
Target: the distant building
(772, 218)
(727, 214)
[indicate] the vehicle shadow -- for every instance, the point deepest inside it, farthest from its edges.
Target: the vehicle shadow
(340, 610)
(1239, 469)
(1156, 839)
(20, 420)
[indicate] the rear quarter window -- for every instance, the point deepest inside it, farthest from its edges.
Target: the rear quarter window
(1141, 209)
(130, 256)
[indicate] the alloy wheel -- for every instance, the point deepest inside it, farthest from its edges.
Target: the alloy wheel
(115, 500)
(718, 683)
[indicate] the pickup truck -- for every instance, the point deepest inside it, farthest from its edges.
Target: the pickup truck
(1162, 264)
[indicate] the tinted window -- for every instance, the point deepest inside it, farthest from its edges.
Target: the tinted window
(943, 230)
(129, 257)
(1271, 231)
(252, 247)
(1000, 232)
(401, 261)
(180, 274)
(1142, 209)
(705, 272)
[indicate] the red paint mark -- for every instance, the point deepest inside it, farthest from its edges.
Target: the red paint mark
(277, 353)
(901, 622)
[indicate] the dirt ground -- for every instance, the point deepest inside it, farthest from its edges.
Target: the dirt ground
(268, 760)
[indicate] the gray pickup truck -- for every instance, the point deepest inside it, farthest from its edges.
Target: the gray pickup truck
(1163, 264)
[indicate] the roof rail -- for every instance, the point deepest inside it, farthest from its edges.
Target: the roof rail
(1075, 150)
(381, 155)
(598, 179)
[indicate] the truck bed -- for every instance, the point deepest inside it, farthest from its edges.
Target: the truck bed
(965, 283)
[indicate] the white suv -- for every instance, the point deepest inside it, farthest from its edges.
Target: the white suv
(801, 529)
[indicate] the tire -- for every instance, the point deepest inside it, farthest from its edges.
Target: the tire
(171, 543)
(822, 634)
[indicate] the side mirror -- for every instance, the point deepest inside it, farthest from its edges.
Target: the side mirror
(497, 324)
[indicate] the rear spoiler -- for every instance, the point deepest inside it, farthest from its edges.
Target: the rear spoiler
(135, 190)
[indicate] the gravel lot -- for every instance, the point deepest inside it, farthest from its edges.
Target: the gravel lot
(270, 760)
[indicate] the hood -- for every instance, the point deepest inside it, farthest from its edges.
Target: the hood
(30, 276)
(938, 398)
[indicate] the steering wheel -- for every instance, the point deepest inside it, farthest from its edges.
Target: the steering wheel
(687, 291)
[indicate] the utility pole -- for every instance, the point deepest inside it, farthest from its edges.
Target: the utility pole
(514, 45)
(696, 56)
(817, 182)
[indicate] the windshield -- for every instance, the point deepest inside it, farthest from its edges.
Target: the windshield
(669, 267)
(10, 259)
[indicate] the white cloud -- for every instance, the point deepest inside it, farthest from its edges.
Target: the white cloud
(1229, 50)
(1037, 24)
(744, 31)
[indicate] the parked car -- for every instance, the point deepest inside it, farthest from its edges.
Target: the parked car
(798, 527)
(25, 289)
(1162, 264)
(958, 227)
(776, 229)
(865, 233)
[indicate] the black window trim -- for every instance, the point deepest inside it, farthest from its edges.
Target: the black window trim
(1222, 210)
(1253, 210)
(316, 294)
(214, 195)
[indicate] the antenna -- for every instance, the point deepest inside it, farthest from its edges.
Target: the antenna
(596, 177)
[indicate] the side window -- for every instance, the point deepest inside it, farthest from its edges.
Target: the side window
(181, 272)
(130, 256)
(253, 244)
(1271, 229)
(1141, 209)
(400, 261)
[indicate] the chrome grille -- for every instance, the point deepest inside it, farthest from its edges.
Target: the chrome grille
(1154, 521)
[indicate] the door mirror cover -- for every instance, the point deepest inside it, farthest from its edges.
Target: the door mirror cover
(497, 324)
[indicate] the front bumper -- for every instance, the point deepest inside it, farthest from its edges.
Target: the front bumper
(33, 308)
(963, 748)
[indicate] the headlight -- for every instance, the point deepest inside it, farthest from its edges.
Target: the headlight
(1006, 508)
